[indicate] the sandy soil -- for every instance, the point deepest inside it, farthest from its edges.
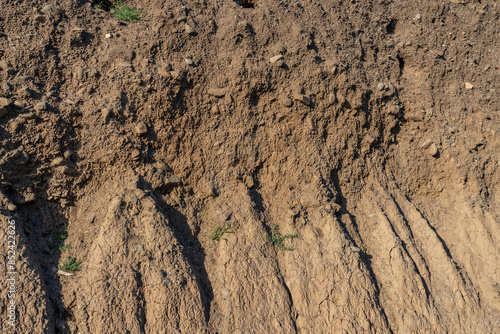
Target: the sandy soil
(367, 130)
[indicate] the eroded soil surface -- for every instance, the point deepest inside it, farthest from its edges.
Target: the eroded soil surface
(368, 129)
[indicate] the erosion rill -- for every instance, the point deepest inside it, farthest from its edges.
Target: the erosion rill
(249, 166)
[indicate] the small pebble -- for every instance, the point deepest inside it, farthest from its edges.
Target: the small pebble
(79, 73)
(141, 128)
(433, 150)
(381, 86)
(287, 103)
(189, 29)
(332, 98)
(468, 86)
(302, 99)
(275, 58)
(418, 16)
(57, 162)
(124, 64)
(355, 249)
(41, 105)
(11, 207)
(188, 61)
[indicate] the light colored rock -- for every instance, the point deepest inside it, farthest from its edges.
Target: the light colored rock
(41, 105)
(381, 86)
(57, 162)
(275, 58)
(172, 181)
(163, 71)
(332, 98)
(190, 30)
(141, 128)
(287, 103)
(469, 86)
(393, 110)
(217, 92)
(249, 182)
(311, 124)
(433, 150)
(124, 64)
(79, 73)
(302, 99)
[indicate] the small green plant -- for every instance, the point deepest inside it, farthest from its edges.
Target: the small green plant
(71, 265)
(277, 239)
(219, 233)
(59, 241)
(126, 13)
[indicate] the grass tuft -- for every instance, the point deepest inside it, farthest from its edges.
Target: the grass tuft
(277, 239)
(71, 265)
(219, 232)
(126, 13)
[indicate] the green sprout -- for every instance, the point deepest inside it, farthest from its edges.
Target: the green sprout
(277, 239)
(219, 232)
(59, 239)
(71, 265)
(126, 13)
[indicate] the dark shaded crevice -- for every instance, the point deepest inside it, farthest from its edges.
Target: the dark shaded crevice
(258, 200)
(391, 26)
(293, 313)
(401, 63)
(246, 3)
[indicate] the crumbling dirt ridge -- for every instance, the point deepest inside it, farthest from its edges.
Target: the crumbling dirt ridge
(164, 154)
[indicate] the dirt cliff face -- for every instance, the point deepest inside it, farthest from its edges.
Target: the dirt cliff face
(165, 154)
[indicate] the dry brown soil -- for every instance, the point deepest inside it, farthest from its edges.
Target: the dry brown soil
(370, 129)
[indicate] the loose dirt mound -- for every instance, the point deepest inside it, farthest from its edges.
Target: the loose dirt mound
(165, 154)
